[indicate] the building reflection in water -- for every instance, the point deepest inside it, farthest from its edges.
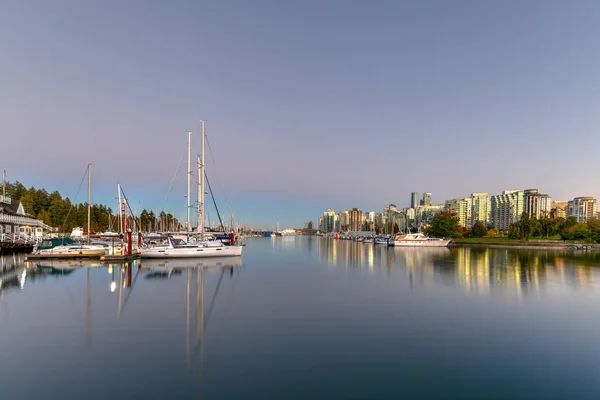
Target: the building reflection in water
(510, 272)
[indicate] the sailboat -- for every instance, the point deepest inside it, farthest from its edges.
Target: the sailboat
(67, 247)
(179, 248)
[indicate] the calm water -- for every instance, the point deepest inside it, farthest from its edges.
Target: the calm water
(305, 318)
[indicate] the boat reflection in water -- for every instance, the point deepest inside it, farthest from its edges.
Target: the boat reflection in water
(195, 271)
(506, 272)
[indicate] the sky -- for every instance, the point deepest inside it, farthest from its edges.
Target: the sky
(308, 104)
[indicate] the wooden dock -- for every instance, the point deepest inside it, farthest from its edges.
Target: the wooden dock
(37, 257)
(118, 258)
(104, 258)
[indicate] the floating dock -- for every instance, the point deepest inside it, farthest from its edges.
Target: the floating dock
(118, 257)
(36, 257)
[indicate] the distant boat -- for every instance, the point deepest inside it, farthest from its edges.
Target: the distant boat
(417, 240)
(319, 233)
(381, 240)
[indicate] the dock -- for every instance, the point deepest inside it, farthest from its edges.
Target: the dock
(118, 258)
(37, 257)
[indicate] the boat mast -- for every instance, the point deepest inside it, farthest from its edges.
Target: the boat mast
(189, 175)
(201, 188)
(120, 208)
(89, 200)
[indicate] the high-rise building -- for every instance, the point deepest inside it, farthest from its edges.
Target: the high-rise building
(426, 201)
(414, 199)
(329, 218)
(481, 208)
(356, 219)
(344, 221)
(582, 208)
(537, 205)
(462, 209)
(558, 209)
(506, 209)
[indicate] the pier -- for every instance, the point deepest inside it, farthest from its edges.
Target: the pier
(16, 243)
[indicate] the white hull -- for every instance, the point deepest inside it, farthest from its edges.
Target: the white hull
(191, 252)
(419, 243)
(418, 240)
(74, 250)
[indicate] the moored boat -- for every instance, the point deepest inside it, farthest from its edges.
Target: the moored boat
(178, 248)
(417, 240)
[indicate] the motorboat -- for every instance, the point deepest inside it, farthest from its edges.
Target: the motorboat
(67, 246)
(417, 240)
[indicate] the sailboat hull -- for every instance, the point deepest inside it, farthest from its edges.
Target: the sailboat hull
(191, 252)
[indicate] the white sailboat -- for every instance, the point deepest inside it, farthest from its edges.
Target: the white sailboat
(179, 248)
(59, 247)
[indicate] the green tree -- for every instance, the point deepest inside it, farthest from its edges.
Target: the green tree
(443, 224)
(44, 217)
(524, 228)
(594, 226)
(479, 230)
(548, 226)
(27, 202)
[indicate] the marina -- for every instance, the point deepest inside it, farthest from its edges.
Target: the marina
(300, 315)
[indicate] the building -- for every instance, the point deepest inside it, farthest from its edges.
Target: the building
(308, 225)
(582, 208)
(425, 214)
(356, 219)
(480, 208)
(329, 221)
(414, 199)
(462, 209)
(506, 209)
(426, 201)
(15, 223)
(344, 217)
(537, 205)
(558, 209)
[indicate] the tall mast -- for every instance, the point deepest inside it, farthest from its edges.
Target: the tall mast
(201, 179)
(89, 200)
(4, 183)
(120, 208)
(189, 176)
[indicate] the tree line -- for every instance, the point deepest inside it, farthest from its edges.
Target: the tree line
(445, 224)
(63, 214)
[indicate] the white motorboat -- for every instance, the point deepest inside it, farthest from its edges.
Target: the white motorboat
(381, 240)
(417, 240)
(67, 246)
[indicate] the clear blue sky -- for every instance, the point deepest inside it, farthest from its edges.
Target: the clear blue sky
(309, 104)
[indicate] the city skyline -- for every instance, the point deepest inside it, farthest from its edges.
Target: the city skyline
(308, 105)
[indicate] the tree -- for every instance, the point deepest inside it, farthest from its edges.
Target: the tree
(548, 226)
(27, 202)
(443, 224)
(594, 225)
(524, 228)
(479, 230)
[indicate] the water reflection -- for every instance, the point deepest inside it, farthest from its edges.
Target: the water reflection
(503, 271)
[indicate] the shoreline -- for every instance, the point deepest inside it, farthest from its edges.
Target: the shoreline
(530, 245)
